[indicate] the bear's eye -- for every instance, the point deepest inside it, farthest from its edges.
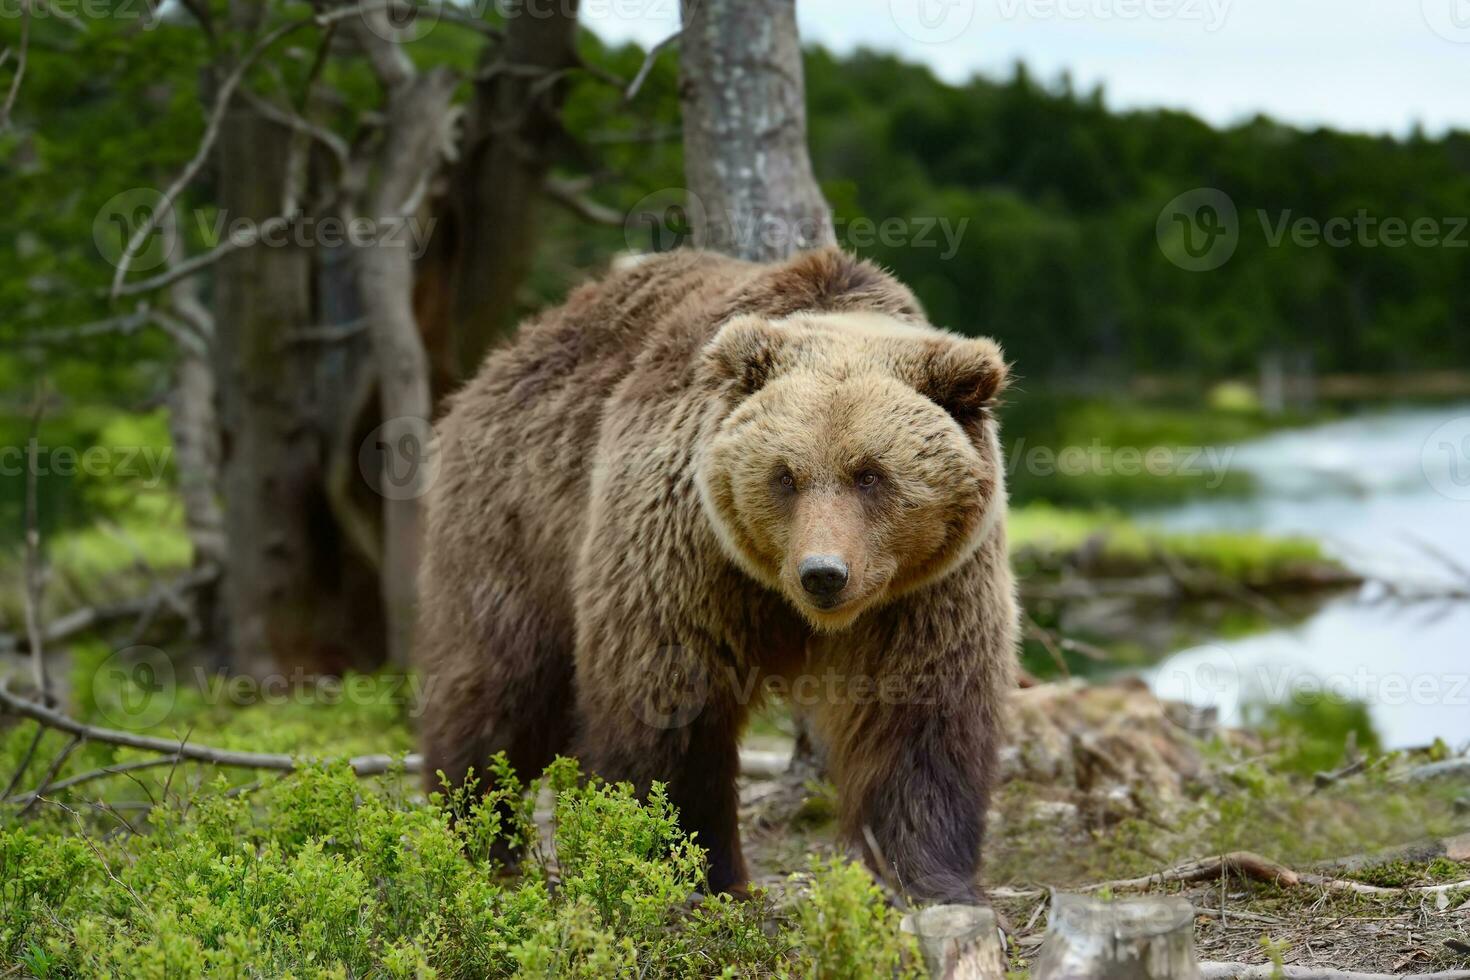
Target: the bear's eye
(787, 480)
(866, 480)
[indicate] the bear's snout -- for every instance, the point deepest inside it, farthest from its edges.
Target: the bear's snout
(822, 576)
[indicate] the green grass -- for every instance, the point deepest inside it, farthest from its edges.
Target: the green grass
(1044, 529)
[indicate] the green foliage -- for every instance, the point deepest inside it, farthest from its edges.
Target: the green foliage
(321, 875)
(1313, 728)
(850, 926)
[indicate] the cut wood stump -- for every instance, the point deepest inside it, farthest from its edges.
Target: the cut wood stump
(959, 942)
(1135, 939)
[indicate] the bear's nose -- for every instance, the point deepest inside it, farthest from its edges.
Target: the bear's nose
(823, 576)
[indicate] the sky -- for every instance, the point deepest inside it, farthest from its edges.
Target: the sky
(1376, 66)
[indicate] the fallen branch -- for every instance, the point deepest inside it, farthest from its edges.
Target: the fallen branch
(87, 618)
(363, 765)
(752, 762)
(103, 773)
(1242, 864)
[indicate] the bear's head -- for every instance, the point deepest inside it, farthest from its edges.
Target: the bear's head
(858, 458)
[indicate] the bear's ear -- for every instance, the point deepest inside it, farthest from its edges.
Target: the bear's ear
(745, 351)
(963, 376)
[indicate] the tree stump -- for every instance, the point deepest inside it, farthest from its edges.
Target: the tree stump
(1136, 939)
(959, 942)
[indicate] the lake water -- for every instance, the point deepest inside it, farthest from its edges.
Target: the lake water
(1388, 494)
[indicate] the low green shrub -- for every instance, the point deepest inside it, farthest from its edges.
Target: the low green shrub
(320, 874)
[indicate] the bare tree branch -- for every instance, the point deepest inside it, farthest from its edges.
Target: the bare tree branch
(95, 774)
(35, 583)
(568, 196)
(365, 765)
(647, 66)
(20, 65)
(92, 617)
(330, 141)
(51, 772)
(206, 143)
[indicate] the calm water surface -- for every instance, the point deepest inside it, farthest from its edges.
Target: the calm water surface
(1389, 495)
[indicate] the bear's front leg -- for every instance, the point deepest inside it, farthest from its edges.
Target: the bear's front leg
(667, 714)
(913, 721)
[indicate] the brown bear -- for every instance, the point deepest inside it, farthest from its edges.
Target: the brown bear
(701, 479)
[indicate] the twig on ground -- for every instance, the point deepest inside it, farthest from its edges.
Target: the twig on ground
(51, 772)
(365, 765)
(1253, 867)
(103, 773)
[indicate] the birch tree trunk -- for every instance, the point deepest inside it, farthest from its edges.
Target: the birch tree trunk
(751, 187)
(753, 193)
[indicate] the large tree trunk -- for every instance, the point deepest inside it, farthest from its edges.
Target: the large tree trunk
(296, 595)
(750, 178)
(511, 129)
(751, 186)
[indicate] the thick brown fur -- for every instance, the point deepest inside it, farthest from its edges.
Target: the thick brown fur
(625, 494)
